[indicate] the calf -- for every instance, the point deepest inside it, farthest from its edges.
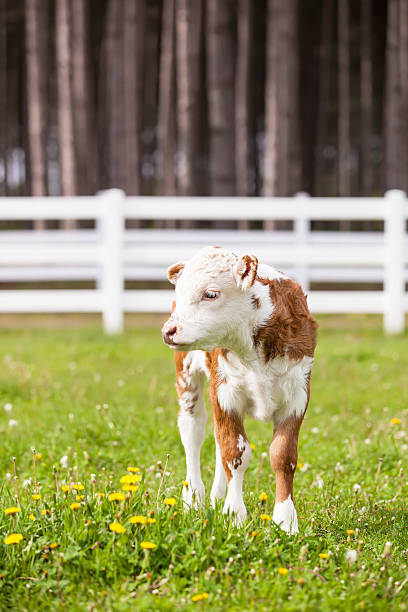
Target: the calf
(248, 329)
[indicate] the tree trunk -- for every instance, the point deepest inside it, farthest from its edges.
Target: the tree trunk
(403, 60)
(114, 92)
(188, 43)
(65, 109)
(366, 96)
(393, 108)
(151, 87)
(244, 159)
(282, 133)
(36, 58)
(84, 128)
(344, 148)
(167, 100)
(325, 72)
(133, 55)
(221, 69)
(3, 96)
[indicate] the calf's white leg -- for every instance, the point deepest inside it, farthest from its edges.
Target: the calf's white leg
(220, 478)
(191, 421)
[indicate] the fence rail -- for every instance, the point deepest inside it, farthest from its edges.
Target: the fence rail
(109, 254)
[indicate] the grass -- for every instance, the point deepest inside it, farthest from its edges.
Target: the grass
(109, 403)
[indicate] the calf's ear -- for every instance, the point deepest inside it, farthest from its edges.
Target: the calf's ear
(244, 271)
(174, 272)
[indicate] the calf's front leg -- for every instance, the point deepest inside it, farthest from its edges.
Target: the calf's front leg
(191, 421)
(283, 454)
(235, 453)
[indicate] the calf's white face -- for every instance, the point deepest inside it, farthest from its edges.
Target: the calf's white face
(212, 299)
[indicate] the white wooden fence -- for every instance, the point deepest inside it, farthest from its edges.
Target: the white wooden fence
(111, 254)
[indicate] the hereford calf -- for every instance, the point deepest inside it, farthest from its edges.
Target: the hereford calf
(247, 327)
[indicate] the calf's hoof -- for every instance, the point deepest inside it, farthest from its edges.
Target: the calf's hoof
(237, 511)
(284, 515)
(194, 495)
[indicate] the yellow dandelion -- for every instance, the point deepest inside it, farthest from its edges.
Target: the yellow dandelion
(350, 531)
(253, 446)
(117, 528)
(130, 487)
(36, 497)
(300, 465)
(300, 580)
(132, 469)
(117, 496)
(265, 517)
(175, 513)
(283, 571)
(32, 517)
(130, 479)
(100, 495)
(13, 538)
(78, 486)
(12, 510)
(148, 545)
(263, 497)
(199, 597)
(138, 520)
(254, 534)
(395, 421)
(170, 501)
(323, 555)
(65, 488)
(53, 545)
(152, 520)
(45, 511)
(38, 456)
(185, 483)
(80, 497)
(75, 506)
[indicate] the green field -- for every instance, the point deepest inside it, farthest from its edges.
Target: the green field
(109, 403)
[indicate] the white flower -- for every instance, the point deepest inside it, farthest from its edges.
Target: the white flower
(318, 482)
(356, 488)
(13, 423)
(339, 468)
(351, 556)
(64, 462)
(315, 430)
(305, 467)
(8, 407)
(27, 483)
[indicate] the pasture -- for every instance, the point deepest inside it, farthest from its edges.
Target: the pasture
(103, 404)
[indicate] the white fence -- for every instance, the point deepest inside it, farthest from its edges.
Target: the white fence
(111, 254)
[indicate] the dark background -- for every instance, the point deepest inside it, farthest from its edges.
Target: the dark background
(203, 97)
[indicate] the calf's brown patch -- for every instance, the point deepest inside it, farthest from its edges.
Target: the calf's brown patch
(291, 330)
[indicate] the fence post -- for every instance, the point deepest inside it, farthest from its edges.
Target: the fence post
(301, 226)
(394, 265)
(112, 245)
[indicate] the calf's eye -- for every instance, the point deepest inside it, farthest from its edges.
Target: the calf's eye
(209, 295)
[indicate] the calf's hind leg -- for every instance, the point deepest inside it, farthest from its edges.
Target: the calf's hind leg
(191, 420)
(283, 455)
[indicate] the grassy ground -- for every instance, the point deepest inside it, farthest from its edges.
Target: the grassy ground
(109, 403)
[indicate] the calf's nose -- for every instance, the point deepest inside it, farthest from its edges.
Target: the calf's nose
(169, 333)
